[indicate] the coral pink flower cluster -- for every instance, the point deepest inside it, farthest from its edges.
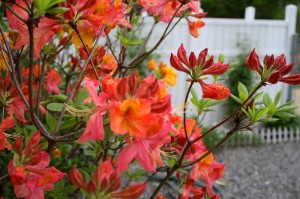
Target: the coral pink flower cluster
(165, 9)
(28, 170)
(105, 182)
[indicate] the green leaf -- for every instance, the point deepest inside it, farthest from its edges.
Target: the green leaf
(221, 58)
(135, 42)
(194, 94)
(205, 102)
(267, 120)
(51, 121)
(123, 40)
(254, 87)
(54, 2)
(261, 113)
(89, 152)
(233, 64)
(258, 95)
(272, 109)
(242, 90)
(286, 108)
(267, 100)
(243, 96)
(60, 97)
(235, 98)
(58, 10)
(41, 5)
(68, 124)
(134, 19)
(248, 115)
(55, 106)
(195, 102)
(284, 114)
(81, 95)
(278, 97)
(215, 102)
(209, 110)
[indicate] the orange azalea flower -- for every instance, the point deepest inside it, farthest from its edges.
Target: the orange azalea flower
(7, 123)
(131, 116)
(152, 64)
(160, 196)
(52, 82)
(94, 128)
(194, 26)
(180, 140)
(105, 182)
(28, 172)
(56, 153)
(2, 61)
(44, 31)
(108, 64)
(146, 151)
(209, 171)
(214, 91)
(168, 74)
(11, 99)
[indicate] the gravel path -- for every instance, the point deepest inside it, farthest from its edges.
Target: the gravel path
(262, 172)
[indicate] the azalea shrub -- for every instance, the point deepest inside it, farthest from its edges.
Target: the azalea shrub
(77, 119)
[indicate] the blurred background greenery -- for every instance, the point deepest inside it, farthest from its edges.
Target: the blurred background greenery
(265, 9)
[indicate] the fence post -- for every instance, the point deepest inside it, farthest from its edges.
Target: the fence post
(291, 18)
(250, 13)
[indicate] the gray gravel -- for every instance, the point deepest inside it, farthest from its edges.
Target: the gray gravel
(262, 172)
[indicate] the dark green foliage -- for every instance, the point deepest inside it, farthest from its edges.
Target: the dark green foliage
(239, 73)
(211, 139)
(291, 122)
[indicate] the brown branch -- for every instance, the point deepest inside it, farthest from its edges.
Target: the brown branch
(76, 84)
(139, 59)
(87, 51)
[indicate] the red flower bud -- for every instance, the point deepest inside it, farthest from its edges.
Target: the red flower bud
(192, 60)
(82, 53)
(202, 57)
(268, 61)
(252, 62)
(200, 15)
(177, 64)
(274, 77)
(293, 79)
(76, 178)
(63, 40)
(287, 69)
(216, 69)
(279, 62)
(70, 14)
(214, 91)
(18, 144)
(181, 53)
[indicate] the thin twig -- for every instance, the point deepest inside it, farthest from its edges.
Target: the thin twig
(87, 51)
(231, 115)
(146, 54)
(77, 82)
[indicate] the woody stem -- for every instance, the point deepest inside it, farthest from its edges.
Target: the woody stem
(184, 111)
(231, 115)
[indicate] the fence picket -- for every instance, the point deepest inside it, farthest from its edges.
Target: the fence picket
(298, 134)
(274, 135)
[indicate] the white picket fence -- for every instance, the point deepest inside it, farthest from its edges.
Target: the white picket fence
(264, 136)
(230, 37)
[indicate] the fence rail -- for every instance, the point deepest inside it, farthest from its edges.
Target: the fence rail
(264, 136)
